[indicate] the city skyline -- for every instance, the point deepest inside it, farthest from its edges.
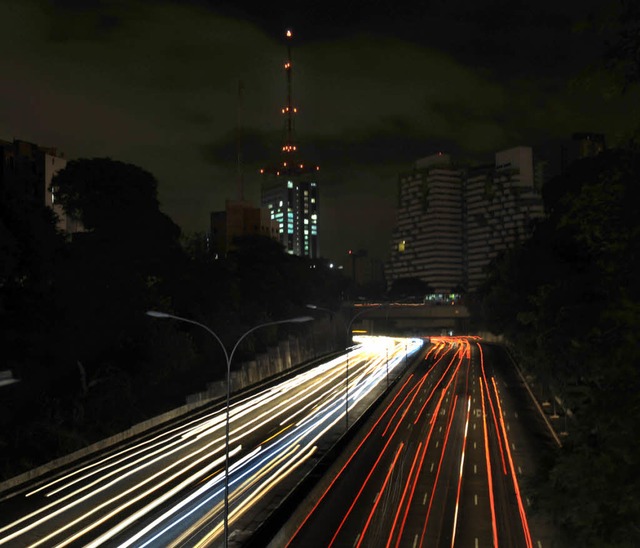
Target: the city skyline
(156, 86)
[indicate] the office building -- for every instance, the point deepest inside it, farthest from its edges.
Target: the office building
(293, 204)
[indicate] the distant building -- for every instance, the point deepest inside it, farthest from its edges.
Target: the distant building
(452, 222)
(427, 242)
(500, 205)
(293, 204)
(29, 168)
(240, 219)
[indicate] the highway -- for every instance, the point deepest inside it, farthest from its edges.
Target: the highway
(438, 465)
(168, 489)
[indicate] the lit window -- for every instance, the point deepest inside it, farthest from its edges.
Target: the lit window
(401, 246)
(289, 184)
(280, 203)
(313, 200)
(306, 221)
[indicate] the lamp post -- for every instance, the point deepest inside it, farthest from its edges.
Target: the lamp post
(387, 363)
(228, 356)
(349, 341)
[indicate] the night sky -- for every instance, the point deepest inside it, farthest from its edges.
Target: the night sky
(377, 84)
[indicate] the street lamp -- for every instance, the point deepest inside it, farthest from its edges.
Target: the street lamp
(228, 356)
(349, 340)
(7, 378)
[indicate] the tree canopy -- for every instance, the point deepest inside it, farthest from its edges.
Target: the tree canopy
(72, 309)
(568, 299)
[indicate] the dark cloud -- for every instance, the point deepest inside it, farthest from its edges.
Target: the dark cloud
(378, 85)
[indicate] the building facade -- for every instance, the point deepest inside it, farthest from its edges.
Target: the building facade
(427, 242)
(501, 204)
(452, 221)
(28, 168)
(292, 201)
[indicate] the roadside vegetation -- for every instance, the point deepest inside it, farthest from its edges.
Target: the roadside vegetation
(73, 327)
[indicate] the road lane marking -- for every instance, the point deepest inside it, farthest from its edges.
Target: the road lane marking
(431, 470)
(508, 427)
(356, 541)
(440, 429)
(516, 414)
(474, 445)
(475, 499)
(539, 544)
(475, 469)
(415, 541)
(514, 446)
(528, 501)
(437, 443)
(424, 499)
(474, 425)
(519, 470)
(477, 543)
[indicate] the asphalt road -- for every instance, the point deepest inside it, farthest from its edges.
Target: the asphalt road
(168, 488)
(442, 463)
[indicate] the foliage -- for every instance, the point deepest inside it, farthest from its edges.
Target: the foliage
(623, 53)
(569, 300)
(409, 287)
(72, 311)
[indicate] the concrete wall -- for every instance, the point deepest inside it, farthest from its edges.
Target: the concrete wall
(279, 359)
(289, 353)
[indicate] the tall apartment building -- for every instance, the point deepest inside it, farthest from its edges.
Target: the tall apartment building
(452, 222)
(427, 242)
(501, 202)
(28, 168)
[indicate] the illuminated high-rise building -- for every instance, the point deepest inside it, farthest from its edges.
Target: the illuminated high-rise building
(290, 188)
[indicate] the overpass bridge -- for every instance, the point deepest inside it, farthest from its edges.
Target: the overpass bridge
(408, 319)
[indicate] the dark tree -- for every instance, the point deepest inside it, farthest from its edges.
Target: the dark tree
(569, 300)
(409, 287)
